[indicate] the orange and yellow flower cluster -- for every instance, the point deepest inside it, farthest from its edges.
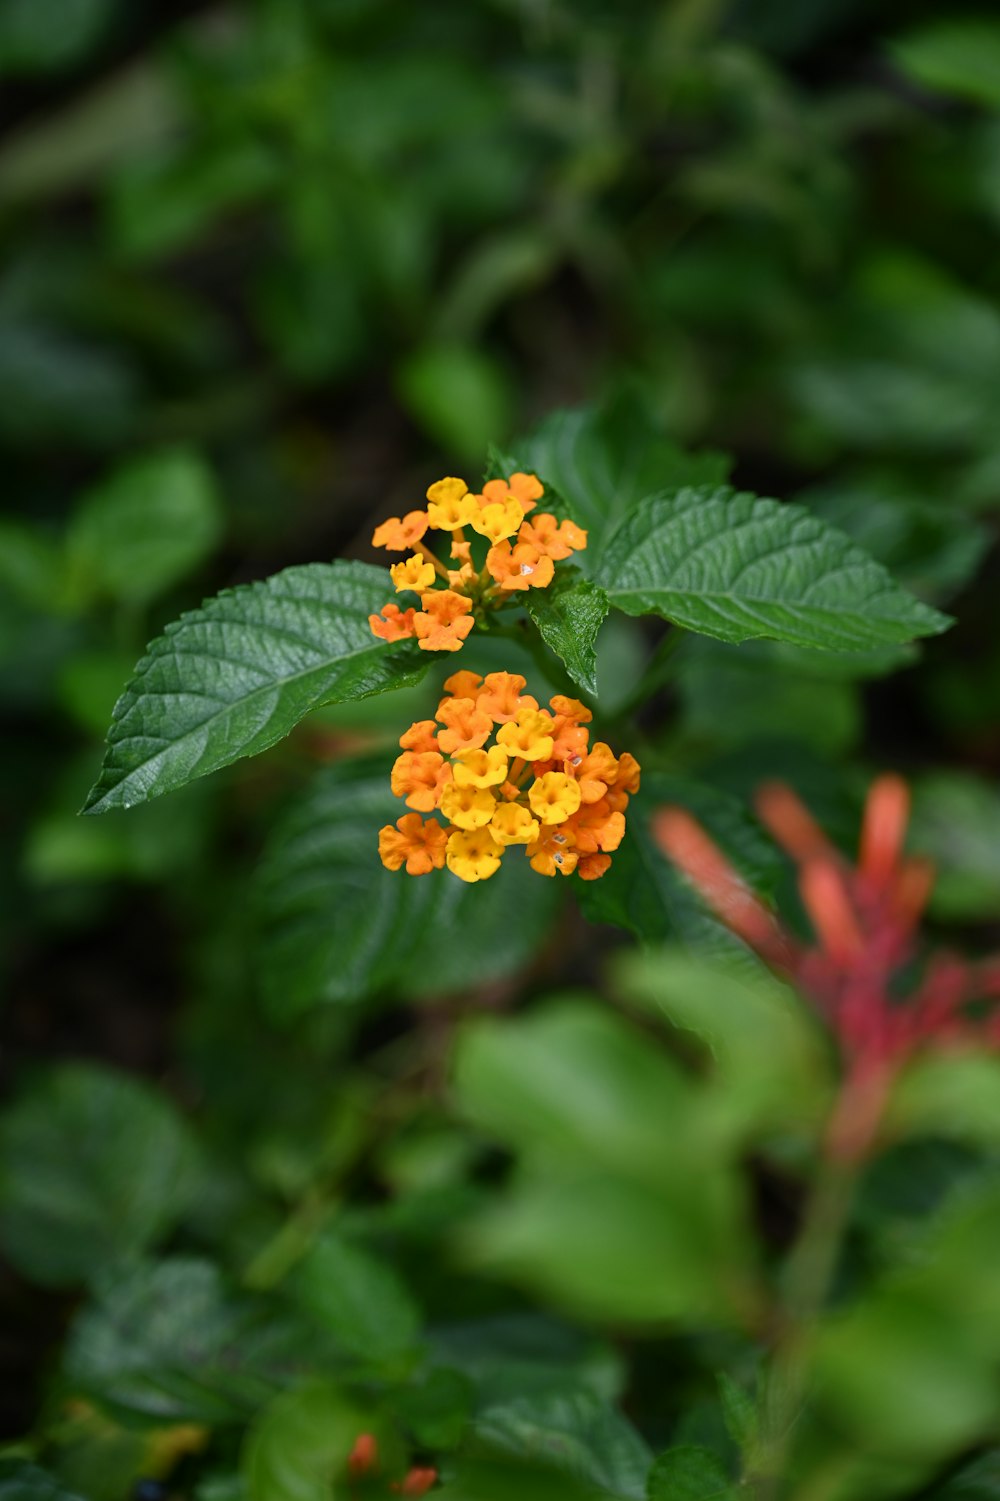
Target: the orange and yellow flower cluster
(540, 784)
(522, 555)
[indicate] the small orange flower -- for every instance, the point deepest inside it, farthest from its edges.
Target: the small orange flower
(473, 855)
(444, 622)
(528, 489)
(415, 573)
(596, 827)
(499, 519)
(401, 535)
(467, 807)
(418, 776)
(554, 797)
(595, 772)
(513, 824)
(627, 779)
(466, 726)
(519, 567)
(417, 843)
(593, 867)
(421, 736)
(553, 853)
(571, 708)
(463, 684)
(552, 538)
(503, 697)
(450, 506)
(480, 768)
(394, 624)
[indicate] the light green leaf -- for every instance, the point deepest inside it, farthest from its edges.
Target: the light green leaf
(358, 1300)
(569, 614)
(93, 1166)
(168, 1342)
(735, 566)
(956, 822)
(689, 1473)
(334, 925)
(955, 1095)
(234, 677)
(146, 527)
(298, 1449)
(460, 395)
(602, 461)
(955, 55)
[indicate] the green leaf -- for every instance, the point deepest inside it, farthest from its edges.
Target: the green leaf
(169, 1342)
(602, 461)
(21, 1481)
(977, 1481)
(689, 1473)
(359, 1300)
(739, 1412)
(770, 1059)
(644, 893)
(93, 1166)
(575, 1434)
(460, 395)
(334, 925)
(569, 614)
(234, 677)
(146, 527)
(955, 1095)
(956, 822)
(955, 55)
(38, 36)
(298, 1449)
(735, 567)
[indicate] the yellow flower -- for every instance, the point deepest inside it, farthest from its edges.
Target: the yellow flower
(513, 824)
(473, 856)
(528, 736)
(416, 573)
(450, 505)
(498, 519)
(554, 797)
(467, 807)
(480, 768)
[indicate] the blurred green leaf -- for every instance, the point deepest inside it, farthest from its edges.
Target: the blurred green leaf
(21, 1481)
(577, 1435)
(951, 1094)
(734, 566)
(93, 1166)
(956, 823)
(979, 1480)
(602, 461)
(769, 1058)
(689, 1473)
(298, 1449)
(954, 55)
(359, 1300)
(234, 677)
(569, 614)
(169, 1342)
(54, 387)
(460, 395)
(159, 203)
(146, 527)
(335, 925)
(39, 36)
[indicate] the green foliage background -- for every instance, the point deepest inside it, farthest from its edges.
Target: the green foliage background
(277, 1166)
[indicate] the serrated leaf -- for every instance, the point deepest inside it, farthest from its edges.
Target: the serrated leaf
(335, 926)
(735, 566)
(689, 1473)
(602, 461)
(234, 677)
(358, 1300)
(568, 615)
(93, 1166)
(170, 1342)
(145, 527)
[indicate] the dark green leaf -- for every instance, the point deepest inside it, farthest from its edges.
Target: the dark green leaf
(21, 1481)
(37, 36)
(569, 614)
(298, 1449)
(602, 461)
(956, 822)
(689, 1473)
(644, 893)
(459, 394)
(146, 527)
(581, 1437)
(93, 1166)
(234, 677)
(336, 926)
(358, 1300)
(735, 566)
(979, 1480)
(170, 1343)
(954, 54)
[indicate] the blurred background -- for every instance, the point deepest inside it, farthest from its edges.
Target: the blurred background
(268, 269)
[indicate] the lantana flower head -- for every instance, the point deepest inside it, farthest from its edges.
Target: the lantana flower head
(492, 764)
(504, 555)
